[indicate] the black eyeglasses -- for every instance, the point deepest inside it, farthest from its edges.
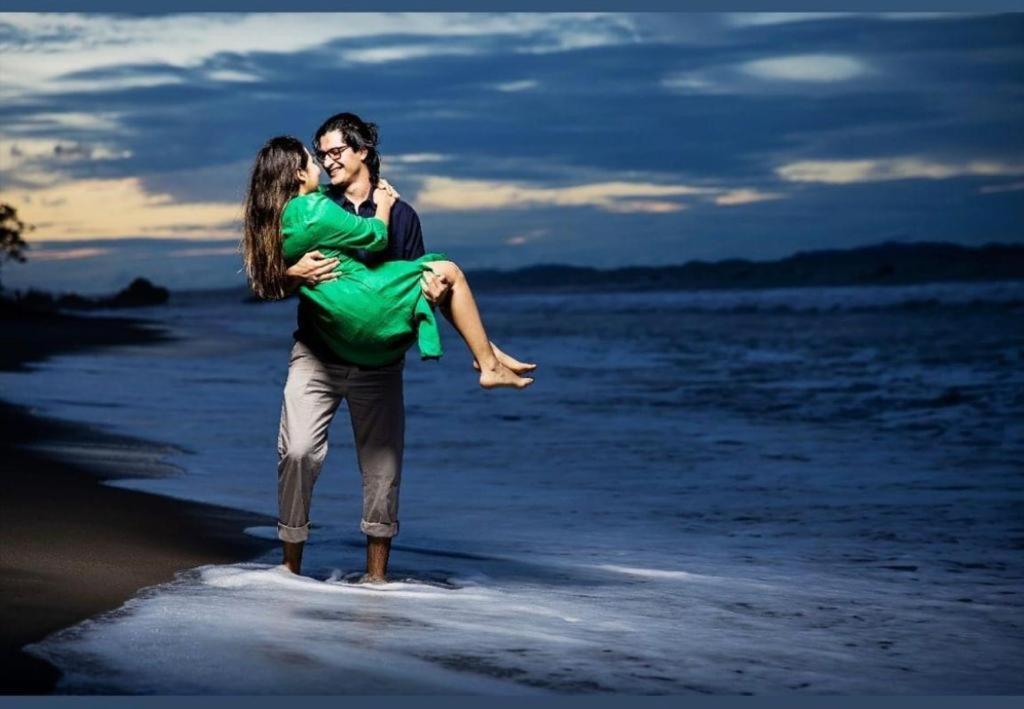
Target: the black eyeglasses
(334, 153)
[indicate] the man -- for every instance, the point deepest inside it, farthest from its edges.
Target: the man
(318, 380)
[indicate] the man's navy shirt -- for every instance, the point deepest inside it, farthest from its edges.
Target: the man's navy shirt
(405, 243)
(405, 238)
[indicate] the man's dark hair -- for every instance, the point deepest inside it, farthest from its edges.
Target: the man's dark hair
(358, 134)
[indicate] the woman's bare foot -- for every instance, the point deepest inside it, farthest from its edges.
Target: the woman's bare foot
(509, 361)
(367, 578)
(502, 376)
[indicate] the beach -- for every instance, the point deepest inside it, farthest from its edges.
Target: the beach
(776, 491)
(74, 547)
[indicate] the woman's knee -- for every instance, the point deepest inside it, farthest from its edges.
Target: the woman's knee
(448, 269)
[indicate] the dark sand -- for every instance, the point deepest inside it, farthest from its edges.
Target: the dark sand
(72, 547)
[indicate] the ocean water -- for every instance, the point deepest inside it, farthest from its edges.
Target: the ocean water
(793, 490)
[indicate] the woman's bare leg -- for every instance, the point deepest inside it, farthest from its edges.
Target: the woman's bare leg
(464, 315)
(508, 360)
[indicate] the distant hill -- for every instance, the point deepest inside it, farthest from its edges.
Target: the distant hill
(139, 293)
(887, 263)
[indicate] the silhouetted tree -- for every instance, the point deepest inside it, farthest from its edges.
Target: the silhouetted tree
(12, 246)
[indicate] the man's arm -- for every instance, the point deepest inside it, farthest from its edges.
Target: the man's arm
(309, 270)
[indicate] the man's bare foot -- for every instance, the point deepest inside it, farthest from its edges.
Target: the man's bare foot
(509, 361)
(501, 376)
(368, 578)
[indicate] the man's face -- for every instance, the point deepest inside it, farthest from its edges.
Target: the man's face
(344, 164)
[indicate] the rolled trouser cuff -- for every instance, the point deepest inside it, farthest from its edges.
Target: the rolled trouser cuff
(292, 534)
(378, 529)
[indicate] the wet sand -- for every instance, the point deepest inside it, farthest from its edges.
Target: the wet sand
(73, 547)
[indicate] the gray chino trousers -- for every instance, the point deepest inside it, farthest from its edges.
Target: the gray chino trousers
(312, 394)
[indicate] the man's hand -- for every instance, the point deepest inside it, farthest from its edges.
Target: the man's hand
(311, 269)
(435, 287)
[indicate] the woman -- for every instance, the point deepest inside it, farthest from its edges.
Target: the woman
(369, 315)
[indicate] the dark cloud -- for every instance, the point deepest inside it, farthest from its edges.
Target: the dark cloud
(11, 37)
(945, 89)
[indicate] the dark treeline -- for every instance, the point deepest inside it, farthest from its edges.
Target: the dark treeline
(888, 263)
(139, 292)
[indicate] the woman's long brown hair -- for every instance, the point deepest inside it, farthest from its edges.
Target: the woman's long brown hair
(272, 184)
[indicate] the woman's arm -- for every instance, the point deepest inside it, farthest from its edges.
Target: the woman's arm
(314, 221)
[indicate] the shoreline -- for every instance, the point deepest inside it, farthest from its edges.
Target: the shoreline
(75, 547)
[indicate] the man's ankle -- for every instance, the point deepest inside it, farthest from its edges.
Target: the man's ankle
(377, 551)
(293, 555)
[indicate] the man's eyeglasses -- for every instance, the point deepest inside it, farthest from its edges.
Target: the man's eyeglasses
(334, 153)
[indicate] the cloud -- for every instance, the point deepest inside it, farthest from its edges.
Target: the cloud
(37, 162)
(412, 159)
(761, 19)
(745, 196)
(611, 31)
(516, 86)
(117, 208)
(1009, 187)
(205, 251)
(766, 75)
(74, 120)
(526, 237)
(687, 83)
(841, 172)
(67, 254)
(405, 52)
(645, 206)
(47, 53)
(445, 194)
(21, 152)
(232, 75)
(140, 80)
(764, 19)
(806, 67)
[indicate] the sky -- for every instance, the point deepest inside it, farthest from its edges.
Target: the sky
(588, 139)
